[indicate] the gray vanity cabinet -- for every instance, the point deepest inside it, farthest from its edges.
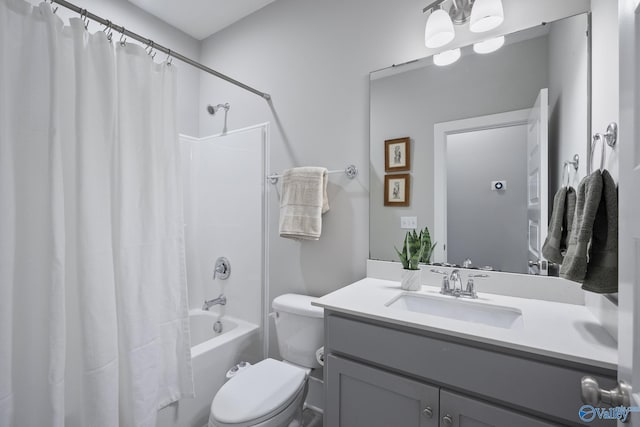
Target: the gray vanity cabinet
(368, 397)
(363, 396)
(380, 374)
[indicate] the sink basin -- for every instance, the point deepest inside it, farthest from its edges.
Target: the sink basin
(459, 309)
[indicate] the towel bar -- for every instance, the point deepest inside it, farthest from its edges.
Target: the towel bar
(351, 171)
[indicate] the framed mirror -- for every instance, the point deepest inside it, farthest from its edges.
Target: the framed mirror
(481, 178)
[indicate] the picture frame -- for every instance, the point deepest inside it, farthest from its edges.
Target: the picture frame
(397, 155)
(397, 189)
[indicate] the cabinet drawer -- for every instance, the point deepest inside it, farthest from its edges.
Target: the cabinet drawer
(466, 412)
(543, 389)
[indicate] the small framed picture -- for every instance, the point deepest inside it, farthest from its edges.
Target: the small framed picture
(397, 155)
(396, 189)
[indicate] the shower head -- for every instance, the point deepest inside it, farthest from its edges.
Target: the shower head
(213, 109)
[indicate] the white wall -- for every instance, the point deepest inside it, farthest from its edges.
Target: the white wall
(605, 60)
(605, 109)
(121, 12)
(568, 99)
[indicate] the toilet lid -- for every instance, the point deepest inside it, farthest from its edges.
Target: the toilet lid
(260, 390)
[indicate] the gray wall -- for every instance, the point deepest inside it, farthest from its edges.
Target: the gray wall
(490, 227)
(568, 98)
(315, 58)
(410, 103)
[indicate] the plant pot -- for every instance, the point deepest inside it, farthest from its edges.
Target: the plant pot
(411, 280)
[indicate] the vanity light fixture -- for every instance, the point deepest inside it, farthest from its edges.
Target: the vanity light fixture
(488, 46)
(439, 29)
(447, 57)
(484, 15)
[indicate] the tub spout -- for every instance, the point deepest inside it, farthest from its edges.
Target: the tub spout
(221, 300)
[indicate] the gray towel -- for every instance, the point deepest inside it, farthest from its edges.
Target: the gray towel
(602, 270)
(551, 249)
(567, 221)
(574, 266)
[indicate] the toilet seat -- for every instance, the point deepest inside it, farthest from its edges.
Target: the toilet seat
(258, 393)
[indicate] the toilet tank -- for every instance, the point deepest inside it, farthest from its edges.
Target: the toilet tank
(299, 329)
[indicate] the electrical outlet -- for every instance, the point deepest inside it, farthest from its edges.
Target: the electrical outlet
(408, 222)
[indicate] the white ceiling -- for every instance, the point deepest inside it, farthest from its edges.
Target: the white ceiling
(200, 18)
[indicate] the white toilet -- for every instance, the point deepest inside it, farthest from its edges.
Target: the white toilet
(271, 393)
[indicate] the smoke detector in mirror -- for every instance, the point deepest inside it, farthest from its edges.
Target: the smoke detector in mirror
(498, 185)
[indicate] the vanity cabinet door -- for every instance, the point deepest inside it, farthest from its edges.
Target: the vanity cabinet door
(461, 411)
(361, 396)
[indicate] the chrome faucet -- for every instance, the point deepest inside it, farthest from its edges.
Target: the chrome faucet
(452, 284)
(221, 300)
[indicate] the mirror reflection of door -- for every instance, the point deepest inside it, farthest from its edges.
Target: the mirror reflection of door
(484, 223)
(496, 189)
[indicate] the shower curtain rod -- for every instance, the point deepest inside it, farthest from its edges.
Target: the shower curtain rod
(150, 43)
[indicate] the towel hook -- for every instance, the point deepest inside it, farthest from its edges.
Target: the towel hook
(566, 171)
(598, 137)
(611, 135)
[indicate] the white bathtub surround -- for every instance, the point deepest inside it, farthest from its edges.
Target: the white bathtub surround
(212, 355)
(224, 184)
(94, 310)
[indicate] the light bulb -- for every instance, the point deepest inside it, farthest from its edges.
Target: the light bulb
(488, 46)
(486, 15)
(439, 29)
(447, 57)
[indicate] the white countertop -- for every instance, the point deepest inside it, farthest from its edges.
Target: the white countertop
(564, 331)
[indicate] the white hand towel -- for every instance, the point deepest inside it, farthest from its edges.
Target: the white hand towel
(303, 201)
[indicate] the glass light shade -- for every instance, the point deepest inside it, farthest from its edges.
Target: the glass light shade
(439, 29)
(447, 57)
(486, 15)
(489, 46)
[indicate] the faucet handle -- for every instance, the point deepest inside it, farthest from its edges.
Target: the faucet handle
(445, 281)
(471, 286)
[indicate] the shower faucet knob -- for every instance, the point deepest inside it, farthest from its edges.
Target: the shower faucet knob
(222, 269)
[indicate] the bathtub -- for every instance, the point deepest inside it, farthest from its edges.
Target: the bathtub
(212, 354)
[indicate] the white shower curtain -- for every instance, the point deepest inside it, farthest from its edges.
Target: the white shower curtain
(93, 304)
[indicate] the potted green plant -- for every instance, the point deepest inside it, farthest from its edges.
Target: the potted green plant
(413, 252)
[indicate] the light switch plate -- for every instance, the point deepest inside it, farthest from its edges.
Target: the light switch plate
(408, 222)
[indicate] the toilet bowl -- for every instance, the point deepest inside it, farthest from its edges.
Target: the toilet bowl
(267, 394)
(271, 393)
